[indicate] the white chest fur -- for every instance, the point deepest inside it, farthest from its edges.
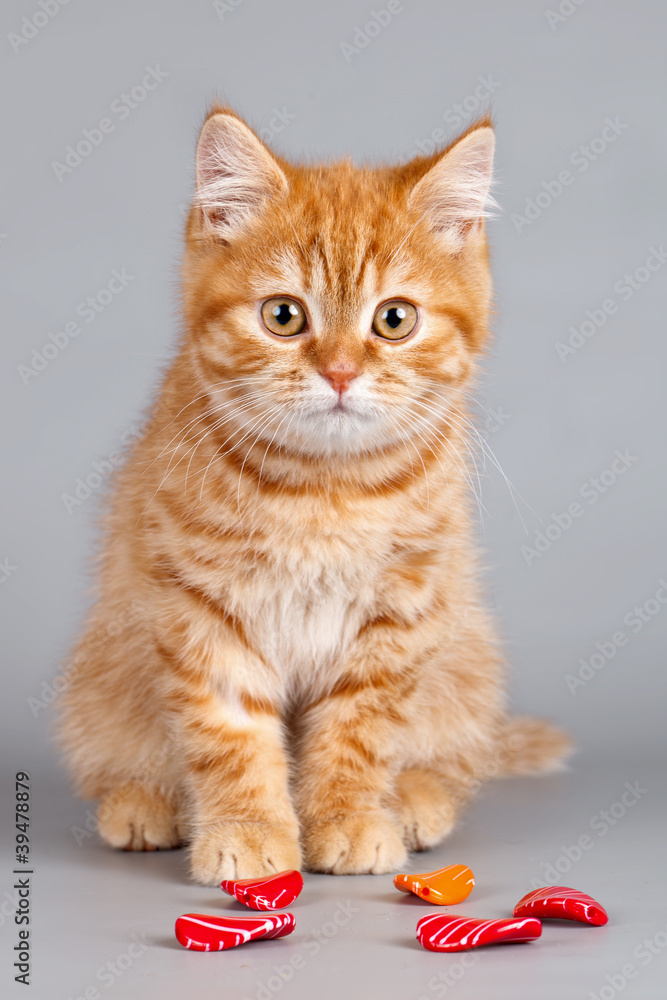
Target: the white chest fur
(306, 616)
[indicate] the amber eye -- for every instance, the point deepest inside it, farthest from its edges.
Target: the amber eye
(283, 316)
(395, 320)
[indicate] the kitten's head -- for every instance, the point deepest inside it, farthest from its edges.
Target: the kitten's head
(333, 309)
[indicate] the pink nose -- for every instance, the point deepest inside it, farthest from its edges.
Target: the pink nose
(339, 377)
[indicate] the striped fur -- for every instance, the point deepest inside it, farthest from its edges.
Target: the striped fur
(310, 676)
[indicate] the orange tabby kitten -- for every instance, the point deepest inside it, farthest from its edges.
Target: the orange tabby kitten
(288, 663)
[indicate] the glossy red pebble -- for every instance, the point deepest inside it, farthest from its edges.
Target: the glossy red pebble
(446, 886)
(265, 893)
(202, 932)
(566, 904)
(446, 932)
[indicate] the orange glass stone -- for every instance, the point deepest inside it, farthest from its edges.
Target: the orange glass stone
(445, 887)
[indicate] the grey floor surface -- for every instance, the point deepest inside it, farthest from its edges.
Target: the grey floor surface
(103, 921)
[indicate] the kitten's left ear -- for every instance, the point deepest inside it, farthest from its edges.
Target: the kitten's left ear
(454, 194)
(236, 175)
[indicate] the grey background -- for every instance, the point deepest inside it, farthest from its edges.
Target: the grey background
(553, 87)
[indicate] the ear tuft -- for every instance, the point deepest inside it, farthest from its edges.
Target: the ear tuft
(236, 174)
(455, 193)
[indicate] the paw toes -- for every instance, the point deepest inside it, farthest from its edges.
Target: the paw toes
(133, 818)
(368, 844)
(243, 850)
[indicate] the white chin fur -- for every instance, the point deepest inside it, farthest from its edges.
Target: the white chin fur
(338, 432)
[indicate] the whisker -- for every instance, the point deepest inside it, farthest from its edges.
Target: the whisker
(202, 416)
(218, 423)
(514, 493)
(406, 440)
(247, 455)
(215, 387)
(261, 468)
(443, 415)
(199, 441)
(439, 438)
(484, 445)
(263, 419)
(211, 430)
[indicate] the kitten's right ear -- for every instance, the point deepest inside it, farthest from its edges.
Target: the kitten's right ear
(236, 174)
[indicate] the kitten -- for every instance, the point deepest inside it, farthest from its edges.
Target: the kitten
(288, 663)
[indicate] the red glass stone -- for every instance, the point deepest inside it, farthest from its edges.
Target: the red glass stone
(446, 932)
(265, 893)
(566, 904)
(201, 932)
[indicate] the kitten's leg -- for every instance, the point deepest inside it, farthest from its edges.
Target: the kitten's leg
(243, 823)
(345, 775)
(349, 751)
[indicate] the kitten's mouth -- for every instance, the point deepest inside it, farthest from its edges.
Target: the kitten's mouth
(339, 408)
(342, 410)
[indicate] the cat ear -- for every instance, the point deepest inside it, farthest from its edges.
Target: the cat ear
(236, 174)
(454, 194)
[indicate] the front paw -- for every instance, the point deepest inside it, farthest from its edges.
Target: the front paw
(357, 844)
(243, 850)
